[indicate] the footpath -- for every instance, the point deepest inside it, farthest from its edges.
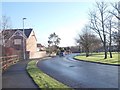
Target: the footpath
(16, 76)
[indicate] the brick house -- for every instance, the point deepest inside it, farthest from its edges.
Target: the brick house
(40, 47)
(18, 41)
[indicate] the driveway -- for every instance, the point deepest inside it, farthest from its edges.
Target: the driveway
(79, 74)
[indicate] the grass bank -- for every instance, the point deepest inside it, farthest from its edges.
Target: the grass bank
(43, 80)
(99, 57)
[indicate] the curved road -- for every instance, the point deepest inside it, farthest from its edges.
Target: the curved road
(79, 74)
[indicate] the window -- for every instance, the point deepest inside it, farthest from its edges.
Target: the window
(17, 41)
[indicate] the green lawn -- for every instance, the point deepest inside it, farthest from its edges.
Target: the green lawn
(99, 57)
(43, 80)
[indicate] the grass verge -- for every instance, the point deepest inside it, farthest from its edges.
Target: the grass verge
(43, 80)
(99, 57)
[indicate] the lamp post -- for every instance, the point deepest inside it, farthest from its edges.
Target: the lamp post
(24, 54)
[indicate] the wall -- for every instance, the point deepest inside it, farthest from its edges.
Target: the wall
(39, 54)
(31, 45)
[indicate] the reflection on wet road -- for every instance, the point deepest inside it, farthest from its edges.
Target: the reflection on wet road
(78, 74)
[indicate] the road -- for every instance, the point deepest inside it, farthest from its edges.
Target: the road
(79, 74)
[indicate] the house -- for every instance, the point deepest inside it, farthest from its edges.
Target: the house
(22, 43)
(40, 47)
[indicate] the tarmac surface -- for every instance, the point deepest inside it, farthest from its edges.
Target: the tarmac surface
(16, 76)
(79, 74)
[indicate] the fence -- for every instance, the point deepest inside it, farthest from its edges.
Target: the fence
(7, 61)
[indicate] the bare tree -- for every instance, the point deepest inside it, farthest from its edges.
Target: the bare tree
(98, 19)
(88, 41)
(109, 26)
(116, 13)
(4, 25)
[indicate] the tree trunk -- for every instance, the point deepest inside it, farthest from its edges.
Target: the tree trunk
(105, 55)
(110, 54)
(79, 48)
(110, 48)
(110, 41)
(105, 48)
(87, 53)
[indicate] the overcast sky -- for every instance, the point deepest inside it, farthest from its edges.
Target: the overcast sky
(66, 19)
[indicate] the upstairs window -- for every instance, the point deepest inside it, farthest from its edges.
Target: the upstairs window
(17, 41)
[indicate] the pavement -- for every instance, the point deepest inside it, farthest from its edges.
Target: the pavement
(79, 74)
(16, 76)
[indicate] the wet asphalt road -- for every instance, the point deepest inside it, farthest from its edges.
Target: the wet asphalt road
(79, 74)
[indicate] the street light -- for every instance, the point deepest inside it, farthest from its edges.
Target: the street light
(24, 54)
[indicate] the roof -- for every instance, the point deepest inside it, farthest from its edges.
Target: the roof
(39, 45)
(26, 31)
(10, 32)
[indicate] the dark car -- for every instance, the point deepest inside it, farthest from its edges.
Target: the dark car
(61, 54)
